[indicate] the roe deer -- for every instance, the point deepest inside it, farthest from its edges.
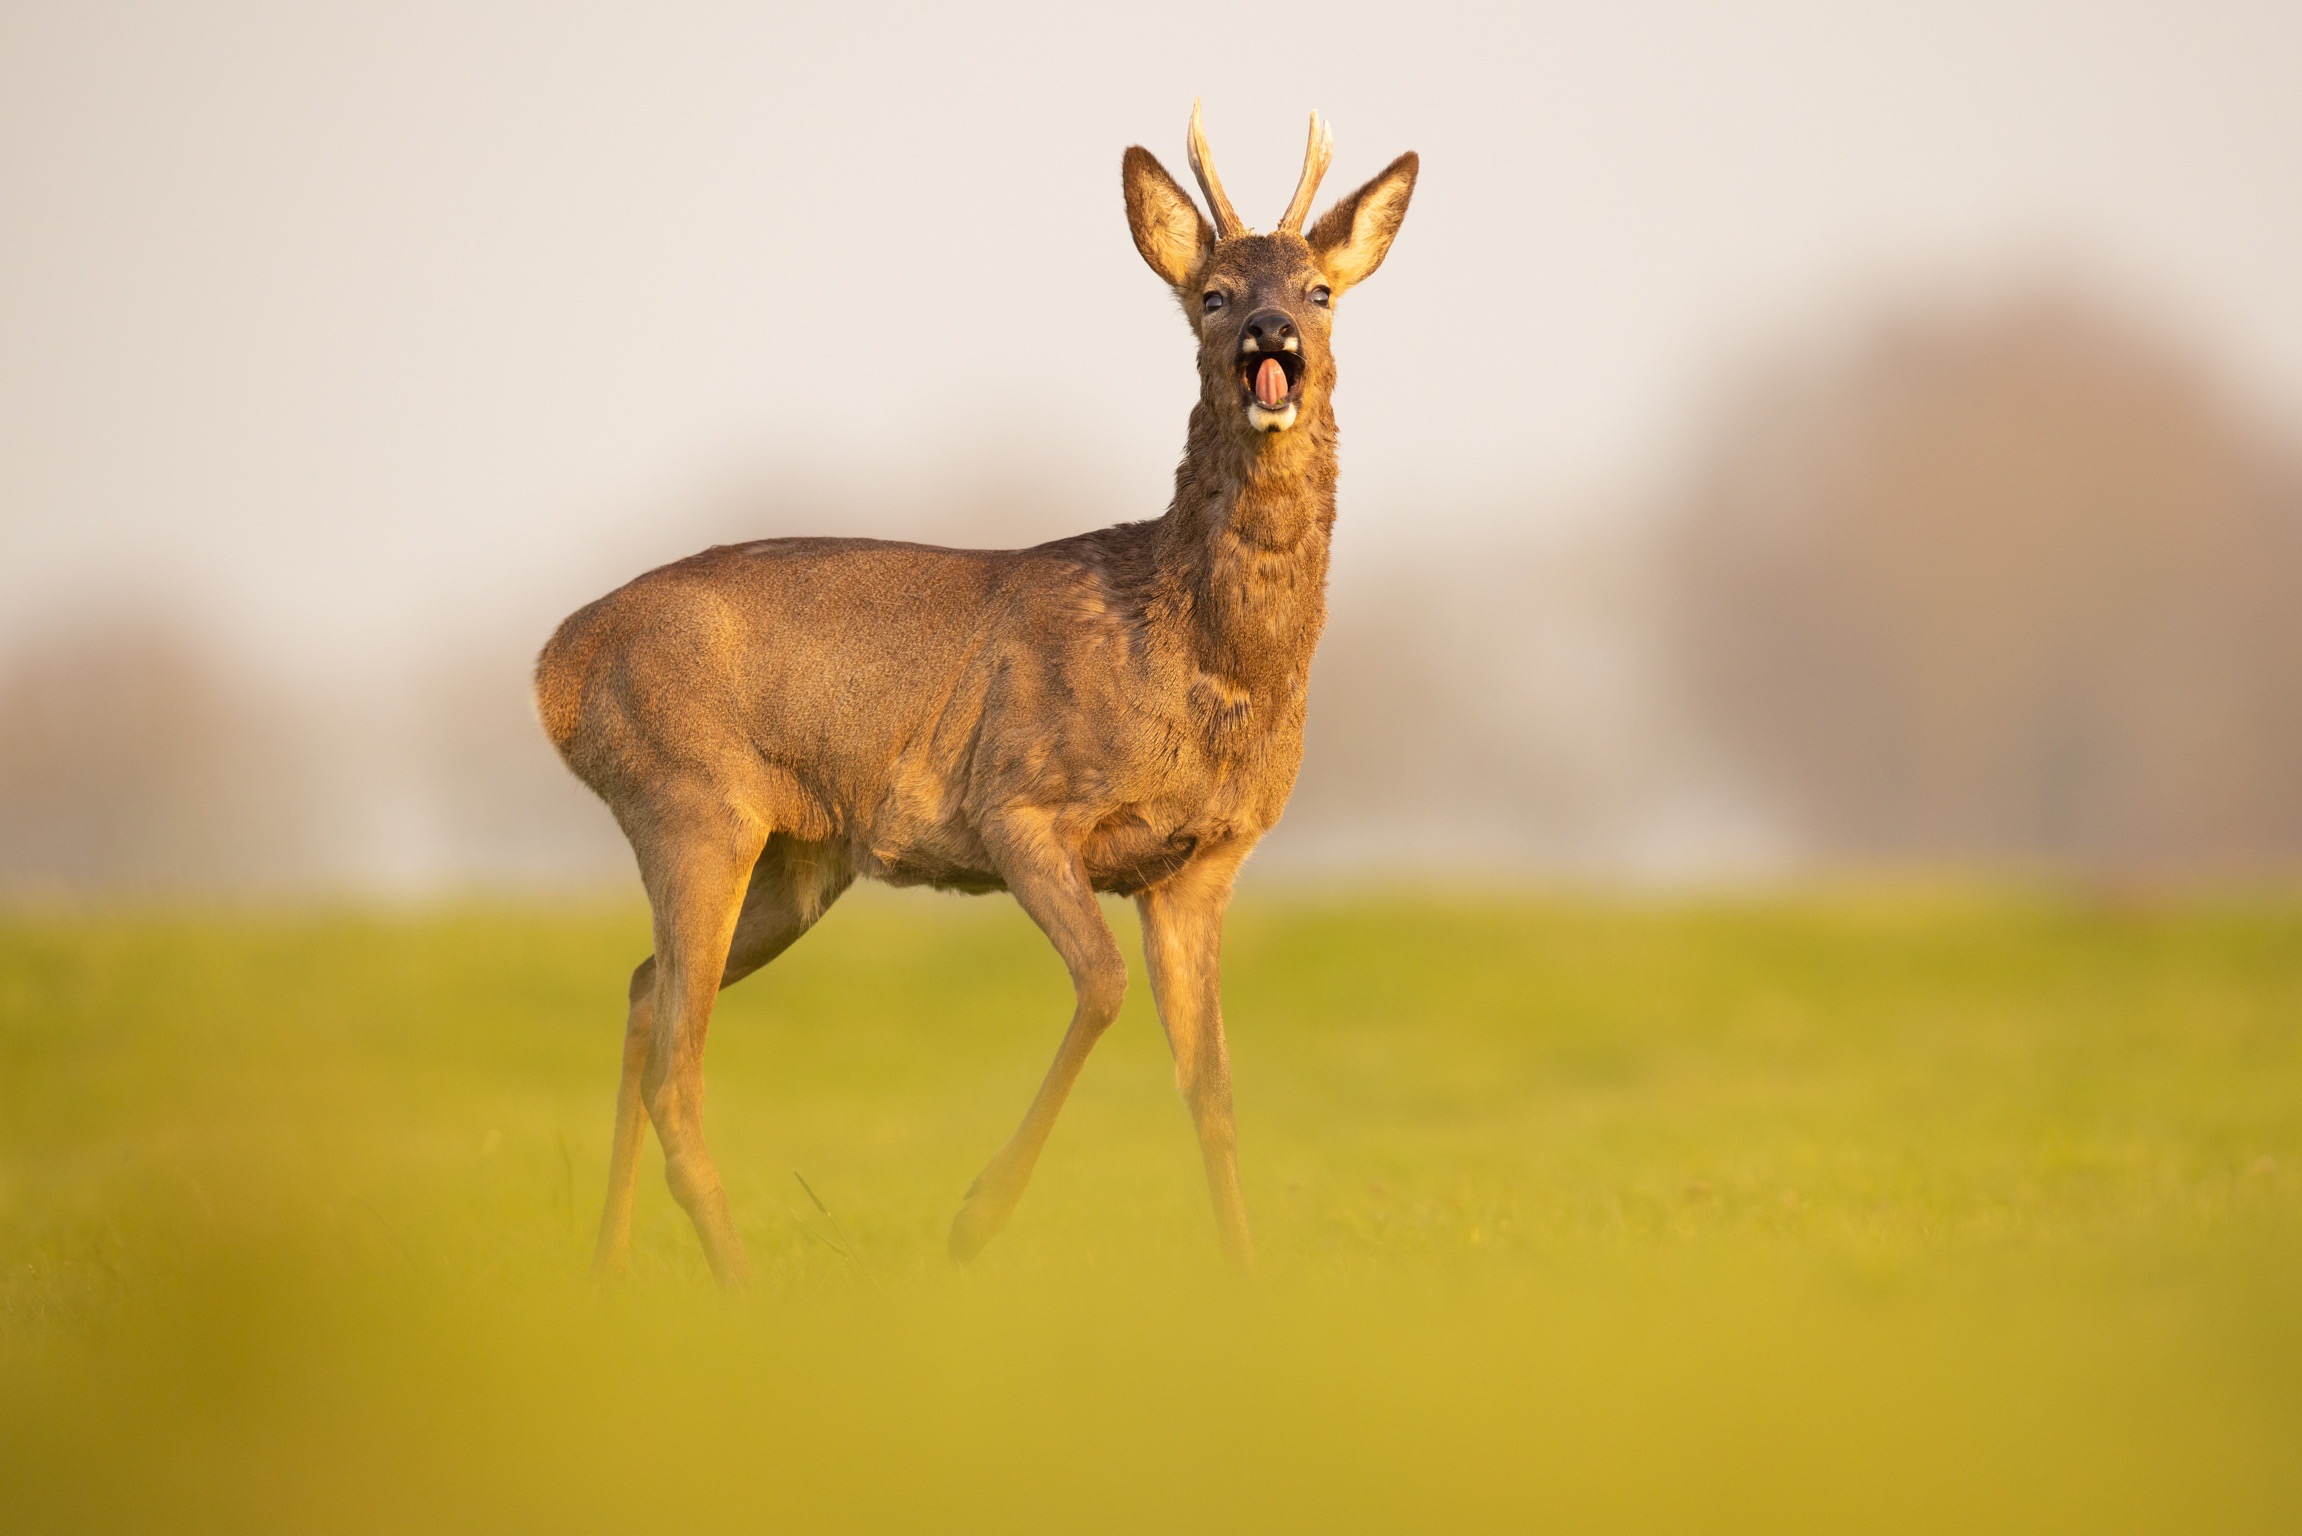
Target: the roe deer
(1118, 711)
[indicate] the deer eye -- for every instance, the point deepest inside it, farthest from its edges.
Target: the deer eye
(1210, 302)
(1321, 295)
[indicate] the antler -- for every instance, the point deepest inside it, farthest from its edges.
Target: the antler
(1316, 157)
(1227, 221)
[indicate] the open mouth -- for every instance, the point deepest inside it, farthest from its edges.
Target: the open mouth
(1273, 381)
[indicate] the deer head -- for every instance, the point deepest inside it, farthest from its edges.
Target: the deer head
(1263, 305)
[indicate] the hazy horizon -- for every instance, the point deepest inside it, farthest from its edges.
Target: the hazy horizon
(352, 347)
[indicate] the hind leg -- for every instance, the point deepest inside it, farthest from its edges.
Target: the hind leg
(630, 1126)
(696, 861)
(791, 886)
(719, 915)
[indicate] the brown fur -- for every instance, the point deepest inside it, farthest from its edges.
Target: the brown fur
(1117, 711)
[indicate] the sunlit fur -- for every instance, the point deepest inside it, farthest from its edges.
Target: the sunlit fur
(1118, 711)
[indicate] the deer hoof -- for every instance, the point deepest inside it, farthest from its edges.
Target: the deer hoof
(978, 1222)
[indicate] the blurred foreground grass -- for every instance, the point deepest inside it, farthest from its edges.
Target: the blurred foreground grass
(1917, 1212)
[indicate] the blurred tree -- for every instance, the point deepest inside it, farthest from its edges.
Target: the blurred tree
(1500, 711)
(131, 762)
(2009, 583)
(502, 808)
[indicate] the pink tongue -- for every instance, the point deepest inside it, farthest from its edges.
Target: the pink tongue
(1271, 384)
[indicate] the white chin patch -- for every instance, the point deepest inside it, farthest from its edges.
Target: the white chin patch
(1263, 420)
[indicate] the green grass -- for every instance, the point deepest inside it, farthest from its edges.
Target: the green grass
(1920, 1211)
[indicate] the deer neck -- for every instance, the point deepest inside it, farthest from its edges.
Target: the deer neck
(1242, 553)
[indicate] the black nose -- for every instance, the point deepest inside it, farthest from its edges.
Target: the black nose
(1270, 330)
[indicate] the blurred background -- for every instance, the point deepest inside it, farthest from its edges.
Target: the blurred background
(1785, 437)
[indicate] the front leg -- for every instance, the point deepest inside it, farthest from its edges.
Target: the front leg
(1183, 941)
(1049, 881)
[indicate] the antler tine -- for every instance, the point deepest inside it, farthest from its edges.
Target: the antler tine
(1227, 220)
(1317, 155)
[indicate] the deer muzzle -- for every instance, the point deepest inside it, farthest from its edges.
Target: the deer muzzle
(1271, 375)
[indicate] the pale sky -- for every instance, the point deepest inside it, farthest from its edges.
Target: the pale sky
(360, 325)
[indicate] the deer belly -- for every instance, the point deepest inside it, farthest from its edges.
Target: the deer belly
(1128, 856)
(944, 856)
(943, 875)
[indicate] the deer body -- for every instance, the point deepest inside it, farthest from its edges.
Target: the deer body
(886, 702)
(1118, 711)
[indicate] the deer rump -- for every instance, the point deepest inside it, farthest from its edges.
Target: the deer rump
(884, 700)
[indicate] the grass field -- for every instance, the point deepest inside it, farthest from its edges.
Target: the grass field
(1861, 1212)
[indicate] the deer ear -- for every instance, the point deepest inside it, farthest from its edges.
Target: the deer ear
(1353, 237)
(1167, 225)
